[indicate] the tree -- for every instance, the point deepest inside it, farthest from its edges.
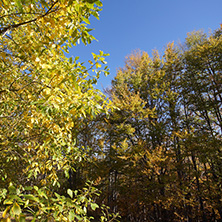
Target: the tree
(162, 143)
(44, 97)
(201, 96)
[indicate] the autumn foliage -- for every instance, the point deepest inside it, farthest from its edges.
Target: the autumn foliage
(162, 142)
(151, 150)
(44, 96)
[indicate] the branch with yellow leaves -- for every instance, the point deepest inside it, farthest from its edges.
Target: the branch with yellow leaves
(4, 30)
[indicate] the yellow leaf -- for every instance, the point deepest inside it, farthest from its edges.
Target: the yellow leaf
(98, 65)
(47, 91)
(5, 211)
(90, 62)
(6, 220)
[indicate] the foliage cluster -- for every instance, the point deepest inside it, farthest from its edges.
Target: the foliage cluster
(154, 152)
(161, 148)
(44, 97)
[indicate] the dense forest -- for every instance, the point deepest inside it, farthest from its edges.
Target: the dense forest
(148, 150)
(159, 150)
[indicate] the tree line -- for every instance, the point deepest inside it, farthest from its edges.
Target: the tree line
(159, 150)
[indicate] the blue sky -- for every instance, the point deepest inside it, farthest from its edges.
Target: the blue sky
(127, 25)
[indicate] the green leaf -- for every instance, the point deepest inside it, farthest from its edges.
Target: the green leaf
(86, 20)
(57, 195)
(31, 197)
(22, 218)
(28, 188)
(42, 193)
(36, 188)
(99, 3)
(18, 3)
(8, 201)
(70, 192)
(43, 2)
(16, 209)
(71, 215)
(91, 1)
(94, 206)
(95, 14)
(12, 189)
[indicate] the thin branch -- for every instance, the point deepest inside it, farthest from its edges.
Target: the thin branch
(21, 13)
(4, 30)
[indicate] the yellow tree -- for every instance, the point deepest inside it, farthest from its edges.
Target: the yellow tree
(44, 96)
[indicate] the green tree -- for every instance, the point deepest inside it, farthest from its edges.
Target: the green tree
(137, 133)
(201, 101)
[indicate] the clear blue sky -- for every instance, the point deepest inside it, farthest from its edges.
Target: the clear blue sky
(126, 25)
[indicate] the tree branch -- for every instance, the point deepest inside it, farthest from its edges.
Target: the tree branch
(4, 30)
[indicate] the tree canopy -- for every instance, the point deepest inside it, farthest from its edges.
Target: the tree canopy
(44, 97)
(162, 144)
(150, 150)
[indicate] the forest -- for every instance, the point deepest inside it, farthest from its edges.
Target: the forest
(147, 149)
